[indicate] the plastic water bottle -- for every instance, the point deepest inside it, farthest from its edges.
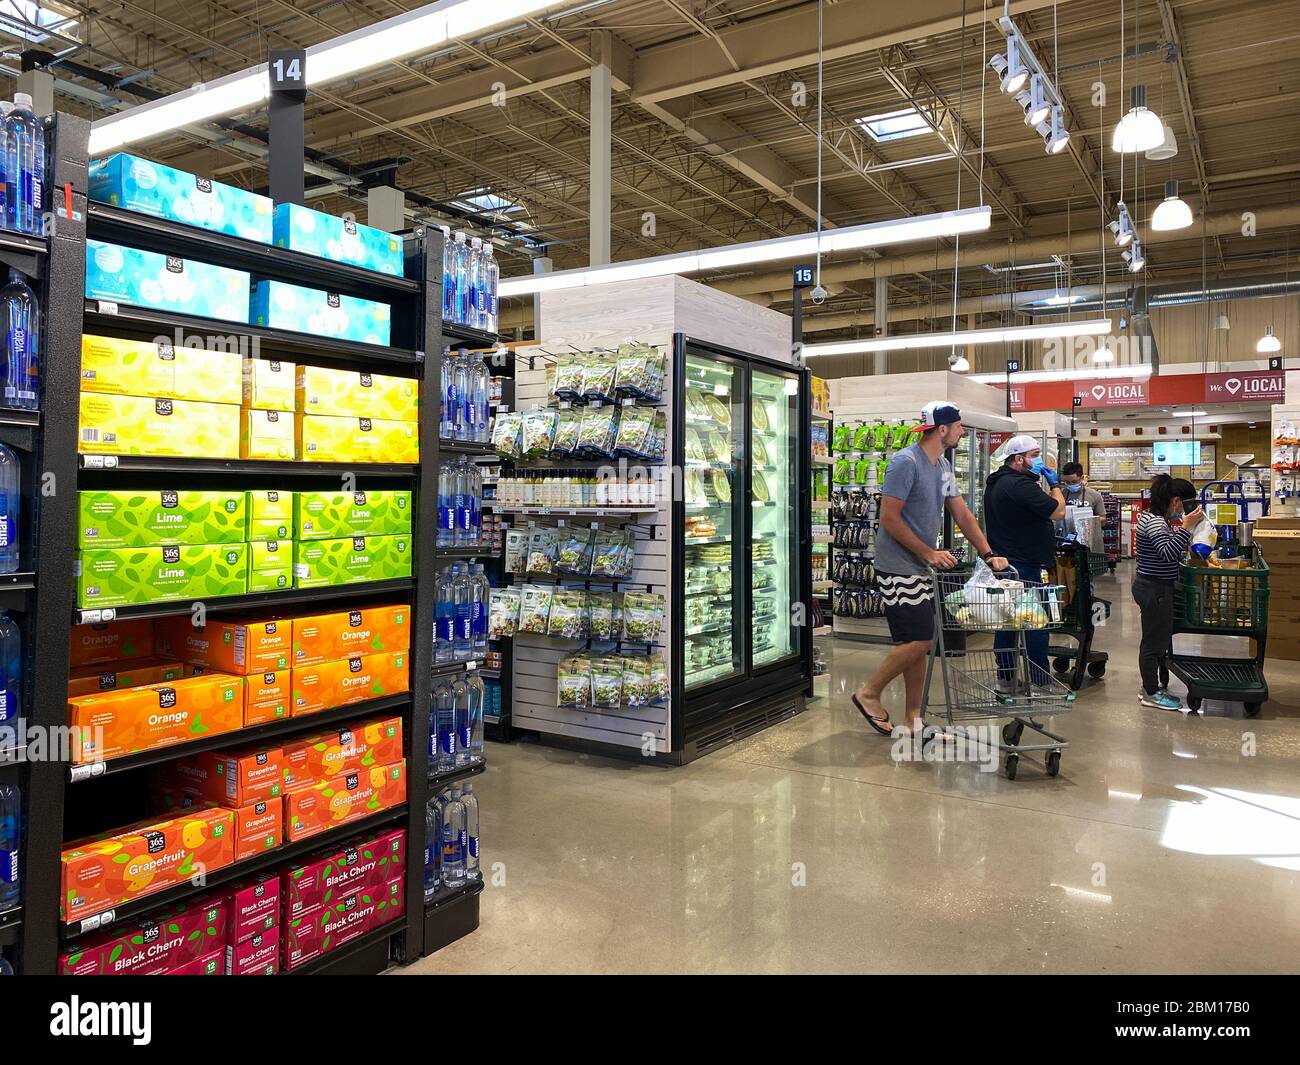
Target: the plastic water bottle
(477, 697)
(5, 108)
(20, 168)
(461, 271)
(444, 618)
(480, 384)
(461, 412)
(20, 321)
(480, 593)
(463, 486)
(11, 807)
(453, 841)
(460, 697)
(432, 852)
(470, 800)
(491, 277)
(446, 536)
(10, 502)
(476, 283)
(444, 726)
(447, 400)
(39, 192)
(11, 675)
(448, 275)
(462, 638)
(474, 501)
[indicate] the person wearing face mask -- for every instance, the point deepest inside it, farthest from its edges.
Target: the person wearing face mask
(1161, 546)
(1077, 492)
(1020, 519)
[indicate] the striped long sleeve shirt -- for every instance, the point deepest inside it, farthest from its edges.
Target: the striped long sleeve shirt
(1160, 547)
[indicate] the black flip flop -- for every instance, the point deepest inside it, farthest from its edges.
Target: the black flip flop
(887, 729)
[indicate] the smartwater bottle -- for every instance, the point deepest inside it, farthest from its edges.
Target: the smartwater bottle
(480, 593)
(11, 675)
(476, 283)
(461, 269)
(444, 709)
(20, 137)
(20, 322)
(432, 852)
(448, 275)
(444, 618)
(462, 640)
(453, 841)
(491, 278)
(460, 383)
(446, 535)
(39, 191)
(460, 699)
(10, 503)
(480, 384)
(463, 486)
(446, 392)
(477, 707)
(5, 108)
(11, 807)
(470, 800)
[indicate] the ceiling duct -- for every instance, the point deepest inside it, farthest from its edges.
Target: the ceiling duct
(1173, 295)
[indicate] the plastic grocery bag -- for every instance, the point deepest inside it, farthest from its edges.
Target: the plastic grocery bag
(990, 601)
(1204, 539)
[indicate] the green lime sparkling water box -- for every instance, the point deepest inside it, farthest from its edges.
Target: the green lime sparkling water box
(133, 575)
(351, 560)
(333, 515)
(270, 565)
(152, 518)
(270, 515)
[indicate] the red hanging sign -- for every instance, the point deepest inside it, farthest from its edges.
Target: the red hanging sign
(1264, 386)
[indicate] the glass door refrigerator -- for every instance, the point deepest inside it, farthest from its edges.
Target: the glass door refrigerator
(741, 647)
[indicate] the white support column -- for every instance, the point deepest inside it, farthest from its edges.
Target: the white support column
(599, 183)
(543, 264)
(39, 85)
(882, 323)
(385, 208)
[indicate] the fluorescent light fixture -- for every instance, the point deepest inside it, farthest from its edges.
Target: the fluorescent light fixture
(1080, 374)
(1171, 212)
(1140, 129)
(1062, 301)
(1000, 335)
(1268, 342)
(409, 34)
(803, 245)
(1190, 414)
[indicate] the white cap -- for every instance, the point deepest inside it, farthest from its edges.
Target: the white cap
(22, 99)
(460, 236)
(1022, 445)
(477, 242)
(446, 232)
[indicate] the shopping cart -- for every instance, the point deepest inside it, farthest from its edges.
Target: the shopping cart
(1211, 600)
(984, 685)
(1082, 612)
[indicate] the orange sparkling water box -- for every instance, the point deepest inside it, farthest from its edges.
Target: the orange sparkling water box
(267, 697)
(111, 642)
(123, 722)
(229, 646)
(349, 680)
(338, 800)
(114, 676)
(102, 874)
(329, 637)
(342, 750)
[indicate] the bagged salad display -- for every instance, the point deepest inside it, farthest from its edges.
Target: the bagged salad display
(566, 432)
(538, 436)
(573, 681)
(658, 678)
(541, 551)
(612, 554)
(643, 615)
(573, 551)
(517, 550)
(535, 609)
(602, 609)
(507, 431)
(598, 378)
(636, 432)
(569, 369)
(567, 619)
(503, 612)
(607, 682)
(597, 432)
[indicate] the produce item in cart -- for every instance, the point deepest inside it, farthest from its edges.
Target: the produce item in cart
(541, 551)
(573, 551)
(607, 682)
(573, 681)
(568, 376)
(567, 619)
(535, 609)
(612, 554)
(1029, 612)
(503, 613)
(538, 434)
(643, 615)
(635, 432)
(507, 432)
(566, 432)
(598, 379)
(597, 432)
(601, 609)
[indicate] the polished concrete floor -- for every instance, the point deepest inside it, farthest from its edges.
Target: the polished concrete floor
(1168, 844)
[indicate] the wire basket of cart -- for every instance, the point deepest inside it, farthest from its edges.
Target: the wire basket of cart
(984, 685)
(1229, 598)
(1082, 610)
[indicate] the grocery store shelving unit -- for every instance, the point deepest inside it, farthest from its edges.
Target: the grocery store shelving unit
(66, 801)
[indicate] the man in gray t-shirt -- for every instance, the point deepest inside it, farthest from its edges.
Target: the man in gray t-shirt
(919, 486)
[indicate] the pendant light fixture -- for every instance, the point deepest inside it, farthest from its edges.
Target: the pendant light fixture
(1140, 129)
(1171, 212)
(1166, 149)
(959, 364)
(1268, 343)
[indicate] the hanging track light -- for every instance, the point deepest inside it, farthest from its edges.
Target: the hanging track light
(1122, 226)
(1015, 76)
(1171, 212)
(1140, 129)
(1022, 76)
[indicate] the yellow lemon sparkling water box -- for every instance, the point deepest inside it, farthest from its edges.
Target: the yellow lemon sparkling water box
(349, 392)
(351, 560)
(267, 434)
(159, 368)
(141, 425)
(268, 384)
(270, 565)
(155, 574)
(270, 515)
(327, 438)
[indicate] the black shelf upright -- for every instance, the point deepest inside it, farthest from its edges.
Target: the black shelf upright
(62, 799)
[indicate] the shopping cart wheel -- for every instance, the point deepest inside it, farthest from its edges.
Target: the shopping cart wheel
(1252, 709)
(1194, 704)
(1013, 760)
(1053, 763)
(1011, 732)
(1060, 664)
(1096, 670)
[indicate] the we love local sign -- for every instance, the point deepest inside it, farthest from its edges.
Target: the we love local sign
(1112, 392)
(1266, 386)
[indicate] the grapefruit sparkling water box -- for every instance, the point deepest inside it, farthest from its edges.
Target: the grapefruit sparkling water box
(341, 634)
(349, 680)
(156, 574)
(112, 520)
(336, 801)
(234, 778)
(342, 750)
(102, 874)
(351, 560)
(332, 515)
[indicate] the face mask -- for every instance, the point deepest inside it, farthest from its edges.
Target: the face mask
(1074, 489)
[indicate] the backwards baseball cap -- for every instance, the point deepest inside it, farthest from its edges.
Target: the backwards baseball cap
(1021, 445)
(937, 413)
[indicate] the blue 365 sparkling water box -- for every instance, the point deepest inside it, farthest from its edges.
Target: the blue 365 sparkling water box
(338, 239)
(165, 282)
(279, 305)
